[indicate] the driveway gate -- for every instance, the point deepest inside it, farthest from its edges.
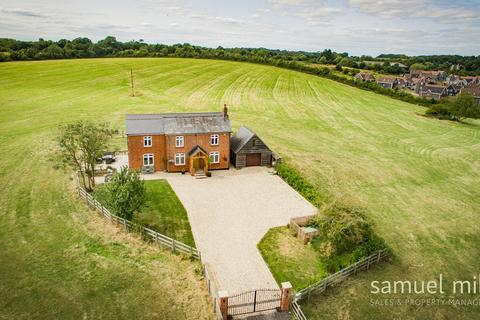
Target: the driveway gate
(254, 301)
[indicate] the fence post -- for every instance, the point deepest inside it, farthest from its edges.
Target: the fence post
(223, 302)
(378, 257)
(173, 245)
(286, 296)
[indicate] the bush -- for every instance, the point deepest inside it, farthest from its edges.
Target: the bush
(344, 227)
(126, 193)
(346, 236)
(465, 106)
(439, 111)
(297, 182)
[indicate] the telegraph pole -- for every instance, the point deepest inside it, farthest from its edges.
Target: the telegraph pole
(131, 82)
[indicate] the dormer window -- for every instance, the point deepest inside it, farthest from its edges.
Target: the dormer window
(214, 139)
(147, 141)
(179, 141)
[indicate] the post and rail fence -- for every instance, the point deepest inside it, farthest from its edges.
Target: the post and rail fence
(334, 279)
(174, 245)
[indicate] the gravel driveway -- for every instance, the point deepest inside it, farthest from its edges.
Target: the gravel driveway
(230, 213)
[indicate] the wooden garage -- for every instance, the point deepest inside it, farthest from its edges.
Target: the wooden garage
(248, 150)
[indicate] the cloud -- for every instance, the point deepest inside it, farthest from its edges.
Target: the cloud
(390, 9)
(317, 16)
(24, 13)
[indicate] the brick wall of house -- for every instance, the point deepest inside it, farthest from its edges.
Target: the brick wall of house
(203, 140)
(136, 150)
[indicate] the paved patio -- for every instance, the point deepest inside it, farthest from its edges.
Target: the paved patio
(230, 213)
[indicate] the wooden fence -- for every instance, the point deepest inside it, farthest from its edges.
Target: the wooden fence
(297, 311)
(174, 245)
(333, 280)
(336, 278)
(212, 286)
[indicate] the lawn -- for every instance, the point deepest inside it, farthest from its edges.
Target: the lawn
(418, 178)
(163, 211)
(290, 260)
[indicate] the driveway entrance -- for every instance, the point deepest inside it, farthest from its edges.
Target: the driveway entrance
(230, 213)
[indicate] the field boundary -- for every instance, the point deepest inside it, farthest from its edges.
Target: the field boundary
(174, 245)
(334, 279)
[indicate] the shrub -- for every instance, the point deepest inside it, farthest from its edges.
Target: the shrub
(344, 227)
(296, 181)
(439, 111)
(465, 106)
(126, 193)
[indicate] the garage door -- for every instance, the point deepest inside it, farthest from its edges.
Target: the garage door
(253, 159)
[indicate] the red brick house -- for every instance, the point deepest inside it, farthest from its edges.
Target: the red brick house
(178, 142)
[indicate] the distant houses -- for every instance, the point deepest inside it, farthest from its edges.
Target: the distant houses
(432, 75)
(365, 76)
(429, 84)
(473, 89)
(387, 82)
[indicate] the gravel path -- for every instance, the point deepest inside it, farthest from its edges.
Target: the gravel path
(229, 214)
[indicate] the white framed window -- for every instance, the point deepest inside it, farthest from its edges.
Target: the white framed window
(214, 157)
(147, 141)
(214, 139)
(148, 159)
(179, 141)
(180, 159)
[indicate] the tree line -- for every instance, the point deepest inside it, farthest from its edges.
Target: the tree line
(14, 50)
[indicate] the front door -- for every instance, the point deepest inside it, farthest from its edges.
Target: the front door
(199, 164)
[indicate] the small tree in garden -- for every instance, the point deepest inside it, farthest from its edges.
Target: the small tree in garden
(81, 144)
(126, 193)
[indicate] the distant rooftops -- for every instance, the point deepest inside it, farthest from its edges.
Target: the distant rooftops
(177, 123)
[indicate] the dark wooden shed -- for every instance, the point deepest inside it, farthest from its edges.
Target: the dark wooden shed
(247, 150)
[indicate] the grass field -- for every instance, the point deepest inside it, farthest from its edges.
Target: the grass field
(418, 178)
(162, 212)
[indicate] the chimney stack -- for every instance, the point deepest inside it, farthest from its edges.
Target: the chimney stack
(225, 111)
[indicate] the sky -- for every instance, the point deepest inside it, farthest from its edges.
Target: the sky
(370, 27)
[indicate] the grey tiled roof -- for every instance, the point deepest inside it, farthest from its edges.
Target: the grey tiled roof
(240, 139)
(176, 123)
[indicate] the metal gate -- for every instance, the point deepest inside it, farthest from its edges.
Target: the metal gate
(254, 301)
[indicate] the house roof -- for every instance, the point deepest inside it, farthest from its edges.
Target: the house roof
(433, 88)
(241, 138)
(386, 80)
(366, 75)
(176, 123)
(195, 150)
(472, 89)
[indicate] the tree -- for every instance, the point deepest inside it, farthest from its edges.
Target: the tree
(126, 193)
(465, 106)
(81, 144)
(322, 60)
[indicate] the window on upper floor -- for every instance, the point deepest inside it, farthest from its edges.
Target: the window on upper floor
(147, 141)
(179, 141)
(214, 157)
(180, 159)
(214, 139)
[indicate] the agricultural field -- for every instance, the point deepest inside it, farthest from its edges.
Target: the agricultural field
(418, 179)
